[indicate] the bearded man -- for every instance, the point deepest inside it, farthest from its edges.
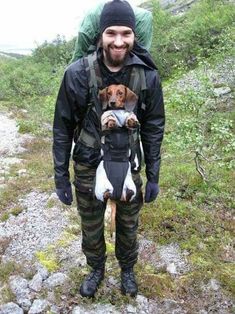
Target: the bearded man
(78, 108)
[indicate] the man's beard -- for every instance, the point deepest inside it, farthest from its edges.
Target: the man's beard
(119, 61)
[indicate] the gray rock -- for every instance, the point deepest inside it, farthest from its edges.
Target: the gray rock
(214, 285)
(112, 281)
(171, 268)
(161, 257)
(77, 310)
(55, 309)
(36, 283)
(10, 308)
(57, 279)
(130, 309)
(104, 308)
(19, 286)
(220, 91)
(171, 306)
(142, 304)
(22, 172)
(42, 271)
(38, 306)
(25, 304)
(96, 309)
(172, 256)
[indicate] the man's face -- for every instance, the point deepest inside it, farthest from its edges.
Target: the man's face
(117, 41)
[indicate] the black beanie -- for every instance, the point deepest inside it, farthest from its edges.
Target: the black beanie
(117, 13)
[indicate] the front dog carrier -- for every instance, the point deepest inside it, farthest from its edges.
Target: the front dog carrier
(137, 83)
(119, 147)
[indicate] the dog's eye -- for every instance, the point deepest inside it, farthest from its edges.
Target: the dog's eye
(120, 93)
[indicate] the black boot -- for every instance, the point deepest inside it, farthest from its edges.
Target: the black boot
(92, 282)
(128, 282)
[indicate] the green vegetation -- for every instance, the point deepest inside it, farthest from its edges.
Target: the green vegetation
(8, 269)
(181, 42)
(196, 203)
(48, 259)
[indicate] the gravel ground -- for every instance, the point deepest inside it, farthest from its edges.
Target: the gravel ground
(33, 229)
(10, 145)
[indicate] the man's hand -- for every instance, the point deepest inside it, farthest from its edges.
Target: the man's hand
(65, 195)
(151, 191)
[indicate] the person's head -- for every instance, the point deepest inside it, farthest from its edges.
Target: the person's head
(117, 29)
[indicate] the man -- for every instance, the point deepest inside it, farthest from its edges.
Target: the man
(77, 108)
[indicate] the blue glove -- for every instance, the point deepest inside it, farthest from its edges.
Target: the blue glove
(65, 195)
(151, 191)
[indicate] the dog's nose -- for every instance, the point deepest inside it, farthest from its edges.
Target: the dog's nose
(112, 103)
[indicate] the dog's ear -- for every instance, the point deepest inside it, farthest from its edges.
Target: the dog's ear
(131, 100)
(103, 97)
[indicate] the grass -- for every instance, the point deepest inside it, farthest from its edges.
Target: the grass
(6, 295)
(8, 269)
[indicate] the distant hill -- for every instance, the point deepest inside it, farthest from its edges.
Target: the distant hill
(11, 55)
(173, 6)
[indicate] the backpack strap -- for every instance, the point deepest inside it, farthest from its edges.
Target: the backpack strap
(94, 79)
(137, 79)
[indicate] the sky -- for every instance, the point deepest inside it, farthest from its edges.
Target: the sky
(25, 24)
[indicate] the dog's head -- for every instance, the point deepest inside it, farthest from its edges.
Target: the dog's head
(118, 97)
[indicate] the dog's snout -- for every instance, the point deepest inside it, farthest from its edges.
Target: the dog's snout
(112, 104)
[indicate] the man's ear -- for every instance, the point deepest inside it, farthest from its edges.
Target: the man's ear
(131, 100)
(104, 98)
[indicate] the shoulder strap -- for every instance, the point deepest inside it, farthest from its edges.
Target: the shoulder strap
(94, 79)
(137, 79)
(93, 70)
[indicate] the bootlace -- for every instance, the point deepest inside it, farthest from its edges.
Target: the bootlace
(129, 274)
(95, 275)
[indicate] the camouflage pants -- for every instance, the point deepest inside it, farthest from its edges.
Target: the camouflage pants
(92, 212)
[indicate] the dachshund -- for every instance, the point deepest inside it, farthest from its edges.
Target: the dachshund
(118, 103)
(121, 100)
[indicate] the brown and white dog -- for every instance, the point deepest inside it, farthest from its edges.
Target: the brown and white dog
(118, 103)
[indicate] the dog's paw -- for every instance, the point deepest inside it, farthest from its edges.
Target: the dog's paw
(131, 121)
(131, 124)
(111, 124)
(129, 194)
(107, 195)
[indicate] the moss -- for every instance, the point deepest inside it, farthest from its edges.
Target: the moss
(4, 216)
(6, 295)
(48, 260)
(8, 269)
(52, 203)
(16, 210)
(65, 239)
(225, 273)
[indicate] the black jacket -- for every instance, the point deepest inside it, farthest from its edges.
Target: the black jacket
(71, 111)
